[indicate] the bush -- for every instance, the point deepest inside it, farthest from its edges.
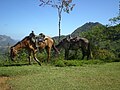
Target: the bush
(73, 63)
(59, 63)
(63, 63)
(92, 62)
(116, 60)
(104, 55)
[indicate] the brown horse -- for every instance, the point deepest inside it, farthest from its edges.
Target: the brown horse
(28, 45)
(46, 43)
(75, 44)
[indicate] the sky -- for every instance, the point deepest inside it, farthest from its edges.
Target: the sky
(19, 17)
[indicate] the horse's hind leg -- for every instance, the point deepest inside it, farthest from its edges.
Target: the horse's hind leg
(89, 55)
(48, 50)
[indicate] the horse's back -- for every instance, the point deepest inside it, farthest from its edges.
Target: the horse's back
(48, 42)
(84, 40)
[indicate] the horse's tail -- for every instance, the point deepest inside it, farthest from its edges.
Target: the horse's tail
(54, 47)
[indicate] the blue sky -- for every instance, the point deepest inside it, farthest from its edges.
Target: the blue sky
(19, 17)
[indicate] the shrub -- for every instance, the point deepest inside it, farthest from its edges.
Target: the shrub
(59, 63)
(116, 60)
(104, 55)
(73, 63)
(62, 63)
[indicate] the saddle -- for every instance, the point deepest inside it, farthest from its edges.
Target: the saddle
(40, 40)
(75, 39)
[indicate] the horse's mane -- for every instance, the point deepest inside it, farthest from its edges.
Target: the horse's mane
(21, 41)
(24, 38)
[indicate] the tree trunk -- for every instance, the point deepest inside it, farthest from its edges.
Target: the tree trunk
(59, 22)
(59, 29)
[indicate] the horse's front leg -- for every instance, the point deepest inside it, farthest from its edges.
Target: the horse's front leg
(83, 53)
(34, 56)
(66, 54)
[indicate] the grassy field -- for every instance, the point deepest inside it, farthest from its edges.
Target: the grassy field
(87, 77)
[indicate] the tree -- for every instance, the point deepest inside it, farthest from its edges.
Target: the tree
(115, 20)
(60, 5)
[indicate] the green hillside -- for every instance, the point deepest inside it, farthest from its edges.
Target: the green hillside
(105, 41)
(85, 27)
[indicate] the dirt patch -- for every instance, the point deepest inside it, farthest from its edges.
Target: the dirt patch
(3, 83)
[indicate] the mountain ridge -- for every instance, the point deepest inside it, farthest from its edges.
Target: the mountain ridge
(85, 27)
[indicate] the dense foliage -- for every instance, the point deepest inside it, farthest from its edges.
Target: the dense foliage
(105, 41)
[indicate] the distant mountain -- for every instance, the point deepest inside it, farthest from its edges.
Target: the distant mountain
(5, 40)
(85, 27)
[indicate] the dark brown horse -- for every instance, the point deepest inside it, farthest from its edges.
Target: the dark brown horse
(75, 44)
(28, 45)
(48, 43)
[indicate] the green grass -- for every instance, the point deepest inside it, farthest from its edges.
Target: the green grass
(87, 77)
(63, 63)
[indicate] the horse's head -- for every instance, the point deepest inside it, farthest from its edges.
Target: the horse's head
(13, 53)
(63, 43)
(75, 39)
(66, 40)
